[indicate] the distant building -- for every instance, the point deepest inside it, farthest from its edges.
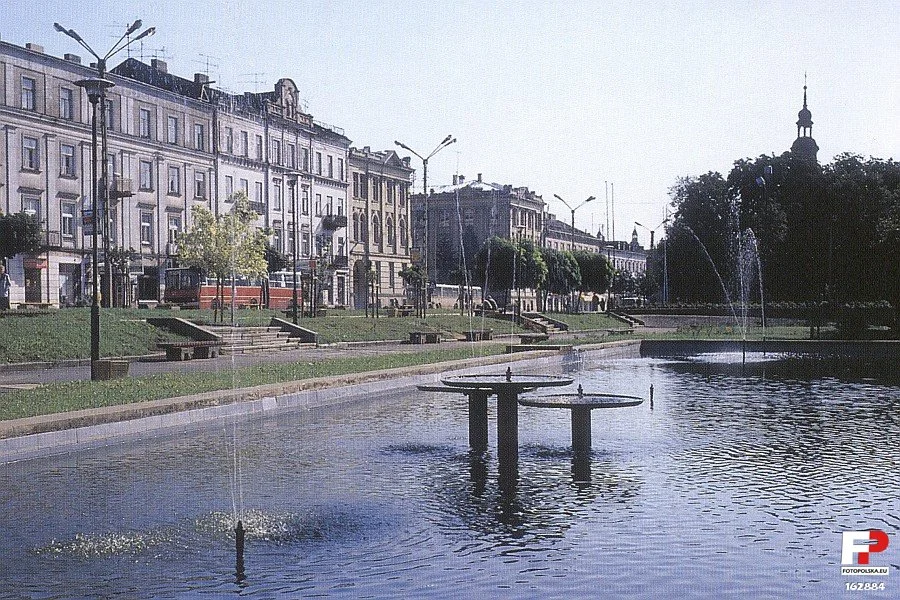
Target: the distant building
(805, 146)
(558, 236)
(466, 214)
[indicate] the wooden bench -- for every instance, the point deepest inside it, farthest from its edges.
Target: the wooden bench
(191, 349)
(533, 338)
(424, 337)
(477, 335)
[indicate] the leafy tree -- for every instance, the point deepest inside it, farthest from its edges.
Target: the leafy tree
(225, 246)
(531, 270)
(495, 266)
(563, 273)
(596, 272)
(19, 232)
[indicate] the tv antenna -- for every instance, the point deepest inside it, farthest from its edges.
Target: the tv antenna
(256, 79)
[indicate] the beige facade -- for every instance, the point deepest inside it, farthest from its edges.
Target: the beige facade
(379, 225)
(173, 144)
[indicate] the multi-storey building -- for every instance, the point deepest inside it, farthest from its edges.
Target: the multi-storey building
(558, 235)
(466, 214)
(379, 233)
(173, 144)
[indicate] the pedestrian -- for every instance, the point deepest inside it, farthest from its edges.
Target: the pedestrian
(5, 285)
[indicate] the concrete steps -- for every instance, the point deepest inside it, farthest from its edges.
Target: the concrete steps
(246, 340)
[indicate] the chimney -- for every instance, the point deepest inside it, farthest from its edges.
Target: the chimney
(455, 179)
(73, 58)
(367, 149)
(159, 65)
(479, 178)
(35, 48)
(462, 178)
(200, 78)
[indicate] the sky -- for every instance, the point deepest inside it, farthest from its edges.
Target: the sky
(563, 97)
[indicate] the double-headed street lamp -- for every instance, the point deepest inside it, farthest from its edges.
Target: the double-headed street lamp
(665, 290)
(573, 214)
(444, 143)
(96, 87)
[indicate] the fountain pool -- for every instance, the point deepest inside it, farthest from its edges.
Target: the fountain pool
(733, 485)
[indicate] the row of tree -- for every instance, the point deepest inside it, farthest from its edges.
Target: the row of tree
(820, 233)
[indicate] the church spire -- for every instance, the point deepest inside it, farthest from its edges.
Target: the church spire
(805, 146)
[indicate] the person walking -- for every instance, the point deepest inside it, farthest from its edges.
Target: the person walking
(5, 285)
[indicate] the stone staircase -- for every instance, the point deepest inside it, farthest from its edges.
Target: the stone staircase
(243, 340)
(542, 323)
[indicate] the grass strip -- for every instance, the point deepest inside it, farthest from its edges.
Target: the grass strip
(79, 395)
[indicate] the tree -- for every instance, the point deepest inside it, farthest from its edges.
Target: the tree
(226, 246)
(19, 232)
(563, 273)
(596, 272)
(495, 266)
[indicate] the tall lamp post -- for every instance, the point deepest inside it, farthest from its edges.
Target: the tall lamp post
(665, 290)
(557, 196)
(292, 184)
(444, 143)
(96, 87)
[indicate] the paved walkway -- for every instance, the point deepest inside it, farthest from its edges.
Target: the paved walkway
(16, 376)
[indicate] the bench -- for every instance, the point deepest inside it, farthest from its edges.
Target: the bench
(533, 338)
(393, 311)
(147, 303)
(477, 335)
(191, 349)
(424, 337)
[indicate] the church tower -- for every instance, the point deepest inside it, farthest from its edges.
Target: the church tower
(805, 146)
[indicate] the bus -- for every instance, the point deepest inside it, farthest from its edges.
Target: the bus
(189, 288)
(447, 296)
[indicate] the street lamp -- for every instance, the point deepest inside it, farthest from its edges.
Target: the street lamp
(292, 184)
(573, 214)
(665, 290)
(444, 143)
(95, 88)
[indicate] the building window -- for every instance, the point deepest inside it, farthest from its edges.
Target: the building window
(276, 189)
(356, 185)
(376, 189)
(245, 188)
(341, 248)
(389, 229)
(146, 228)
(318, 163)
(329, 200)
(304, 237)
(28, 93)
(108, 115)
(391, 191)
(172, 130)
(245, 144)
(292, 156)
(376, 229)
(67, 160)
(146, 172)
(259, 148)
(306, 159)
(341, 169)
(305, 202)
(31, 205)
(291, 245)
(318, 205)
(355, 226)
(199, 184)
(276, 152)
(30, 159)
(174, 181)
(229, 140)
(340, 205)
(364, 186)
(402, 231)
(67, 219)
(330, 166)
(199, 137)
(144, 123)
(174, 228)
(229, 188)
(66, 105)
(279, 243)
(259, 192)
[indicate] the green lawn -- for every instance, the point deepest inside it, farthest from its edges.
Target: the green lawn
(77, 395)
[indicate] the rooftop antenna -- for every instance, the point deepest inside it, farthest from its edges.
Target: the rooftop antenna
(208, 61)
(256, 79)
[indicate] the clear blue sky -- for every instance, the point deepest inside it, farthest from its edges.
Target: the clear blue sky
(557, 96)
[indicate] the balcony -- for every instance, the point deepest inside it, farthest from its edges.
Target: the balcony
(339, 262)
(120, 187)
(258, 207)
(51, 240)
(333, 222)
